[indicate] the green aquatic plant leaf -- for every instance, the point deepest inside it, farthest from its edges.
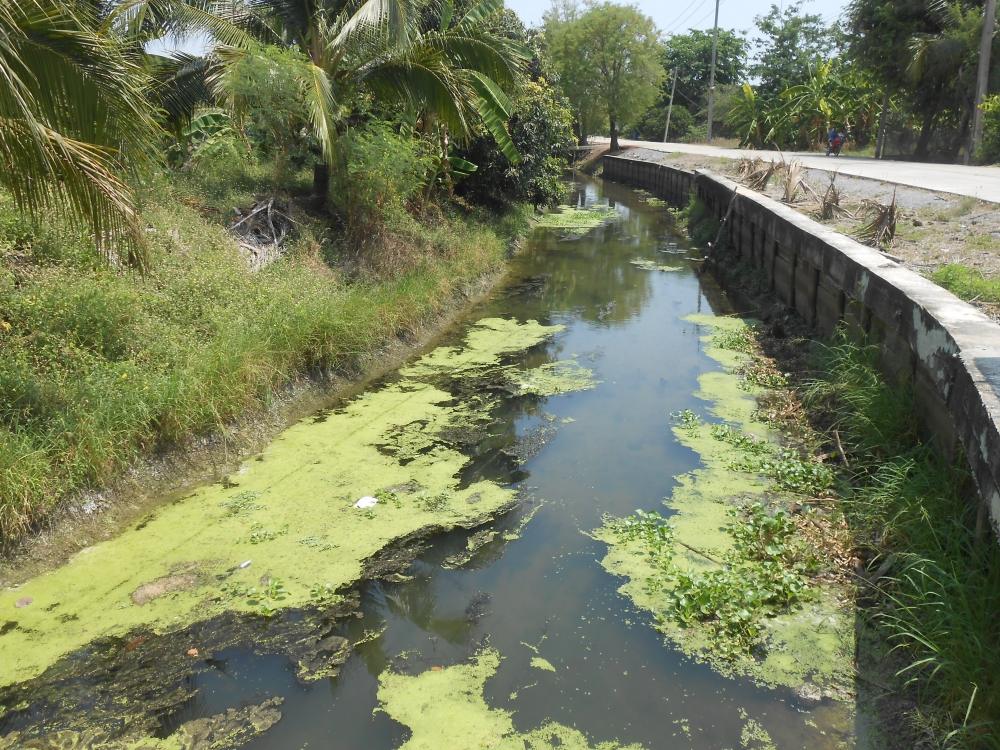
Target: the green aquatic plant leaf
(726, 574)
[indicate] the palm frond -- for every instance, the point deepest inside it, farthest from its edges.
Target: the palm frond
(318, 94)
(395, 16)
(426, 83)
(504, 63)
(73, 121)
(226, 21)
(179, 85)
(480, 12)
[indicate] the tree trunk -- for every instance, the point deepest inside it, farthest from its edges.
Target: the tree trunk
(883, 126)
(321, 179)
(926, 133)
(580, 129)
(615, 146)
(962, 139)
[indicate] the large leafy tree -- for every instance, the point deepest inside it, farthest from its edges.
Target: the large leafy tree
(542, 130)
(789, 45)
(925, 52)
(617, 51)
(563, 42)
(880, 34)
(690, 55)
(943, 68)
(74, 124)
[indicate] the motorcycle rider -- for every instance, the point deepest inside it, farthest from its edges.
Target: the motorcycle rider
(835, 141)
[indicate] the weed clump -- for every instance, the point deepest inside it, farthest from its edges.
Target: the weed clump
(701, 225)
(968, 283)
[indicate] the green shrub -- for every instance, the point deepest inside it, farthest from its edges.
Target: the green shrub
(542, 130)
(989, 150)
(652, 124)
(701, 225)
(967, 283)
(381, 173)
(267, 93)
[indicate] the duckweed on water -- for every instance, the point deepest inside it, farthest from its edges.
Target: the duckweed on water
(537, 662)
(445, 708)
(554, 378)
(728, 575)
(577, 221)
(285, 524)
(648, 265)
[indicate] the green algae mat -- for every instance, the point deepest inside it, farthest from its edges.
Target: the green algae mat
(577, 222)
(728, 573)
(298, 524)
(445, 708)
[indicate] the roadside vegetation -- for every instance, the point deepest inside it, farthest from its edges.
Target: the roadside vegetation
(968, 283)
(898, 77)
(182, 235)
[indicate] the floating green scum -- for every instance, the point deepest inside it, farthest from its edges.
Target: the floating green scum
(577, 221)
(786, 627)
(445, 708)
(306, 515)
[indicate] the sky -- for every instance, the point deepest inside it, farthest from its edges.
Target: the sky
(677, 16)
(671, 16)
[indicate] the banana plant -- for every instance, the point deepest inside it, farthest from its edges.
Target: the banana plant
(748, 117)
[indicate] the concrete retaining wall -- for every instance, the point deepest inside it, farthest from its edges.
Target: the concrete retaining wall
(946, 348)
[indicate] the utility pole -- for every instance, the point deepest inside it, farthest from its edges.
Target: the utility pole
(711, 81)
(983, 77)
(670, 109)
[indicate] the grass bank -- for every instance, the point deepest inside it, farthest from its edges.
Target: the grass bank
(931, 582)
(102, 367)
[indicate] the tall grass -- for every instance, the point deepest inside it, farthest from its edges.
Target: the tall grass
(937, 589)
(101, 368)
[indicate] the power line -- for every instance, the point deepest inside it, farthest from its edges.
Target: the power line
(686, 15)
(708, 15)
(684, 12)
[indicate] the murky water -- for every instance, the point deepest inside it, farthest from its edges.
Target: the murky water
(608, 450)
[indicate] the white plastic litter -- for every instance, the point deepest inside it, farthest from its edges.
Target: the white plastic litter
(245, 564)
(366, 502)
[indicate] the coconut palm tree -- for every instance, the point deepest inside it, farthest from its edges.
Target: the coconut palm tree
(74, 124)
(452, 75)
(943, 67)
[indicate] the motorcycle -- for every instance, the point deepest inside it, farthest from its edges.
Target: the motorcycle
(834, 146)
